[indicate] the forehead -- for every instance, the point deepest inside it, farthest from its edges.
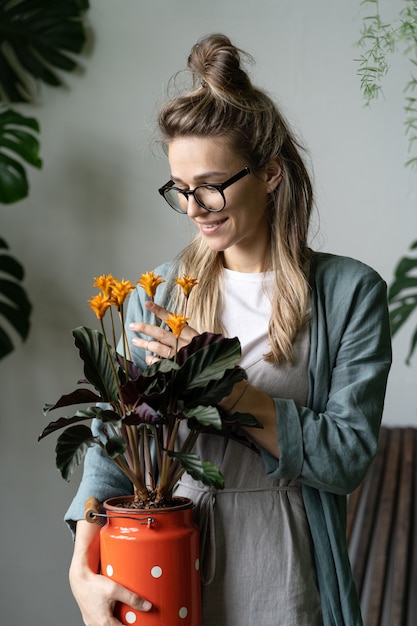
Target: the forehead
(201, 154)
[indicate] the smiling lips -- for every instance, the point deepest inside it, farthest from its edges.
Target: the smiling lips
(209, 228)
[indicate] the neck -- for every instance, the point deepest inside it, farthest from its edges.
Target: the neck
(244, 263)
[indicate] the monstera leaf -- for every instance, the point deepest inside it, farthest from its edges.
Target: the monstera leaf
(38, 39)
(18, 143)
(402, 296)
(15, 307)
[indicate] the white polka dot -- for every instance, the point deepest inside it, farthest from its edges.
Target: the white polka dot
(183, 612)
(130, 617)
(109, 570)
(197, 564)
(156, 571)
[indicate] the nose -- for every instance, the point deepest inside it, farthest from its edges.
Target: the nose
(193, 208)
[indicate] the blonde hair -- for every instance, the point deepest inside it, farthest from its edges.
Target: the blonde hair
(222, 102)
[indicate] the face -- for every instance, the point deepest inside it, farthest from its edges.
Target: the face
(241, 229)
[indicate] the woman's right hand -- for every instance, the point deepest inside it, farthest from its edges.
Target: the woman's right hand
(96, 595)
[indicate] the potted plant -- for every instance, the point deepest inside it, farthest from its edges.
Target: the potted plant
(141, 413)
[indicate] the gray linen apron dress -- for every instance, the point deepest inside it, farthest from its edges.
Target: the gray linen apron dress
(256, 553)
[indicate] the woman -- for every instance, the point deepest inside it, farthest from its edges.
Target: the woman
(315, 345)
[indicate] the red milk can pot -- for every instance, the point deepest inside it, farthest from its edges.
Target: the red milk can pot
(154, 553)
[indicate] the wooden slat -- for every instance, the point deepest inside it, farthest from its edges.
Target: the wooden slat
(401, 537)
(382, 532)
(412, 575)
(363, 528)
(381, 539)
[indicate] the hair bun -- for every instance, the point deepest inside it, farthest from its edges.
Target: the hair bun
(216, 63)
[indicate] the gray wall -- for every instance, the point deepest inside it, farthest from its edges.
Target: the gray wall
(94, 209)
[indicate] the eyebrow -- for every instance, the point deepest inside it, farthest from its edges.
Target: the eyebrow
(200, 177)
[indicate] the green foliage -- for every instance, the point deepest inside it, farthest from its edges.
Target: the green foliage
(18, 143)
(38, 40)
(15, 307)
(150, 405)
(379, 39)
(402, 296)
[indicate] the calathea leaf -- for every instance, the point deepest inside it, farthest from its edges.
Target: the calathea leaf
(79, 396)
(63, 422)
(214, 390)
(97, 365)
(72, 447)
(198, 342)
(204, 471)
(115, 446)
(205, 415)
(208, 364)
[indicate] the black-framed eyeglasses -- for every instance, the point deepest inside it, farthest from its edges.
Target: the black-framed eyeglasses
(209, 197)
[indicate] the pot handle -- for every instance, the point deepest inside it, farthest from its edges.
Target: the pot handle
(93, 515)
(92, 510)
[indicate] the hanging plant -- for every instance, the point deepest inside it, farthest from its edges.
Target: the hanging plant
(379, 40)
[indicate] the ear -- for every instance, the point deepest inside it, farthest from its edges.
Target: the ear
(273, 175)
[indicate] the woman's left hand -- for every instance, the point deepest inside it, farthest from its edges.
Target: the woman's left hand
(163, 342)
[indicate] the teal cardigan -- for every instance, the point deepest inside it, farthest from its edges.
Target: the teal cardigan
(327, 445)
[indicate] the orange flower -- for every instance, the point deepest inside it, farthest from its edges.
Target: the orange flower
(176, 323)
(99, 304)
(105, 283)
(120, 291)
(186, 283)
(149, 282)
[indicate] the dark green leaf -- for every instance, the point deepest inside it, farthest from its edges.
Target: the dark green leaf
(79, 396)
(402, 296)
(208, 364)
(97, 364)
(9, 265)
(15, 293)
(401, 284)
(115, 446)
(214, 391)
(205, 415)
(204, 471)
(72, 447)
(63, 422)
(35, 39)
(15, 307)
(13, 181)
(243, 419)
(16, 144)
(413, 345)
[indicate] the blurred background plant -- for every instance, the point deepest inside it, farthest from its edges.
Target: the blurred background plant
(38, 41)
(378, 41)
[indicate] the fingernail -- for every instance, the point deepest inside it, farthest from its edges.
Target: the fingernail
(146, 605)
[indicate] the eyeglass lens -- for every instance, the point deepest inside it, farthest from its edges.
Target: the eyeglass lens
(210, 198)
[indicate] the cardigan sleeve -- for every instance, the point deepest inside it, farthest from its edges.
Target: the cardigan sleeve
(330, 444)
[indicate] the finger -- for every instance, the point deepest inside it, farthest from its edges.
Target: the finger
(157, 333)
(157, 310)
(150, 359)
(133, 600)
